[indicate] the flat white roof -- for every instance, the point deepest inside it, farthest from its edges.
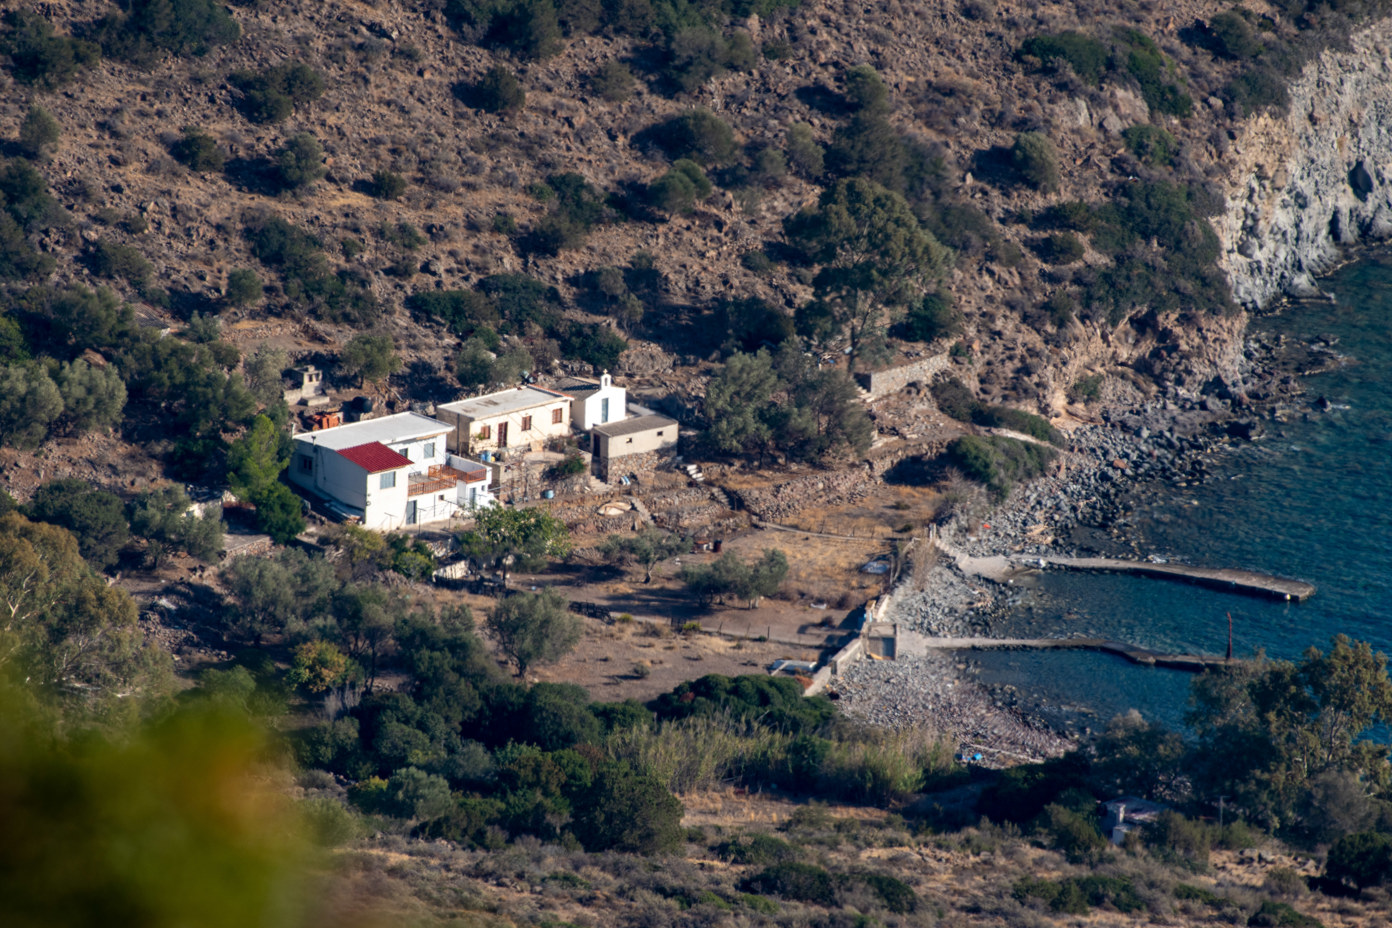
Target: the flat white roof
(404, 426)
(504, 402)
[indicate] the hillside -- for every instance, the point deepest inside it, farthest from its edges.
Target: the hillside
(393, 83)
(733, 206)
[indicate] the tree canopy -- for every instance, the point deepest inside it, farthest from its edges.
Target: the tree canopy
(534, 628)
(524, 538)
(873, 256)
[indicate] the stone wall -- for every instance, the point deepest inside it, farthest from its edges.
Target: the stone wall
(1316, 179)
(639, 465)
(894, 379)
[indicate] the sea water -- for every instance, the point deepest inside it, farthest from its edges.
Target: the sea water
(1311, 500)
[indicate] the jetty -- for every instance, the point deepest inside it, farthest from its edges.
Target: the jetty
(1221, 578)
(1194, 663)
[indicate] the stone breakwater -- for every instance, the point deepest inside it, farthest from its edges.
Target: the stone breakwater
(1305, 184)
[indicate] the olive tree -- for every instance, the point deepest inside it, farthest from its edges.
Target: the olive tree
(647, 549)
(534, 628)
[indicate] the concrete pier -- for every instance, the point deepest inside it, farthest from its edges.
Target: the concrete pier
(1194, 663)
(1221, 578)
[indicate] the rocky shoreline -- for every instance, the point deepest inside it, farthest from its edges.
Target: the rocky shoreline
(1080, 509)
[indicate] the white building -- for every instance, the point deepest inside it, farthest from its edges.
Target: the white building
(389, 472)
(520, 419)
(594, 402)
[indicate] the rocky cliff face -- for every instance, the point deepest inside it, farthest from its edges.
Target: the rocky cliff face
(1314, 180)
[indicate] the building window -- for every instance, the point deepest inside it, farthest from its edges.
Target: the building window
(388, 481)
(555, 417)
(485, 432)
(604, 409)
(430, 449)
(306, 464)
(629, 442)
(659, 434)
(526, 423)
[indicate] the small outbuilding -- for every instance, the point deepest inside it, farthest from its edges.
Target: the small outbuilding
(632, 448)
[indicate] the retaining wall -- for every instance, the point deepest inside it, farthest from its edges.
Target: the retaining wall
(894, 379)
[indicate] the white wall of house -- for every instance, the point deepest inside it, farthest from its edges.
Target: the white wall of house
(607, 404)
(526, 428)
(423, 452)
(386, 505)
(334, 476)
(324, 471)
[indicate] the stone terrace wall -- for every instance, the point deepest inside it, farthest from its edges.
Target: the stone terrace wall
(883, 383)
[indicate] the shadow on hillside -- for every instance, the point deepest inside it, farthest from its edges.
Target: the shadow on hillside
(916, 471)
(995, 166)
(253, 175)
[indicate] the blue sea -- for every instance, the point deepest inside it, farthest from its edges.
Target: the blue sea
(1312, 499)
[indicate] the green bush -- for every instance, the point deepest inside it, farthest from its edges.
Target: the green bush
(1086, 55)
(1272, 914)
(954, 399)
(805, 156)
(1035, 160)
(1361, 860)
(300, 161)
(1087, 388)
(243, 287)
(38, 134)
(387, 185)
(696, 54)
(305, 272)
(1017, 420)
(198, 151)
(110, 259)
(698, 134)
(681, 188)
(1152, 71)
(1231, 36)
(776, 702)
(1075, 895)
(149, 29)
(932, 318)
(272, 95)
(1060, 248)
(1151, 144)
(1075, 834)
(791, 880)
(613, 81)
(498, 91)
(1176, 838)
(756, 850)
(464, 311)
(1258, 88)
(895, 895)
(627, 811)
(96, 518)
(40, 57)
(1203, 896)
(998, 463)
(1072, 215)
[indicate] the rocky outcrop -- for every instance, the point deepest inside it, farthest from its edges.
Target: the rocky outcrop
(1317, 179)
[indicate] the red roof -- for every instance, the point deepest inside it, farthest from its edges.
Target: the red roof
(374, 457)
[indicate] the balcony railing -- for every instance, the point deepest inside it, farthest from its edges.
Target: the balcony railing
(437, 478)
